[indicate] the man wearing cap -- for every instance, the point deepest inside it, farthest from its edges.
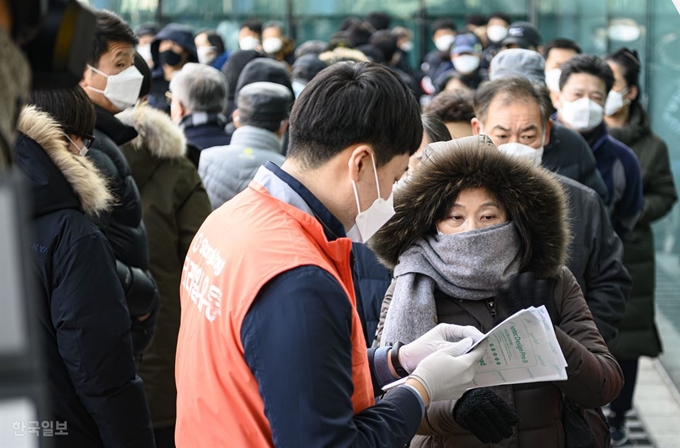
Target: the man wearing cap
(466, 56)
(523, 35)
(261, 121)
(566, 153)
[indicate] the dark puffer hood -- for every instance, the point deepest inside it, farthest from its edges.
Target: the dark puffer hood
(532, 197)
(181, 35)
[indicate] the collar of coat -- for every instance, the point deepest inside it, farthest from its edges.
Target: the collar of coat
(532, 196)
(156, 132)
(87, 182)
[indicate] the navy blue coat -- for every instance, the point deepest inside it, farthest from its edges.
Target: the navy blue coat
(371, 280)
(84, 319)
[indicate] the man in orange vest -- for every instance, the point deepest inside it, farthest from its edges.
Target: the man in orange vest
(271, 351)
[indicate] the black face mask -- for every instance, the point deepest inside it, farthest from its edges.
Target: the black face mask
(169, 57)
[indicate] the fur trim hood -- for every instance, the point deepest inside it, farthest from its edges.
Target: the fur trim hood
(532, 197)
(87, 182)
(157, 133)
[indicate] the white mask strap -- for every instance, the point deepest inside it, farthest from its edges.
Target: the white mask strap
(375, 171)
(99, 72)
(354, 185)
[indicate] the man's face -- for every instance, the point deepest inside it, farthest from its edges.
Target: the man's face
(557, 57)
(202, 41)
(243, 32)
(118, 57)
(583, 85)
(512, 121)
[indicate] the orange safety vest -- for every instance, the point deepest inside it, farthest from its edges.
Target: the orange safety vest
(240, 248)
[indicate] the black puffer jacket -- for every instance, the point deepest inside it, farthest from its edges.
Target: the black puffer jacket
(123, 226)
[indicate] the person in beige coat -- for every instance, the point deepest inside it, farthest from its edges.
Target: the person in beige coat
(476, 237)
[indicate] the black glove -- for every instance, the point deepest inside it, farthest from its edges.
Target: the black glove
(523, 291)
(486, 415)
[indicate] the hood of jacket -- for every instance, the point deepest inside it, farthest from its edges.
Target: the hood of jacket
(181, 35)
(70, 180)
(637, 127)
(532, 197)
(157, 138)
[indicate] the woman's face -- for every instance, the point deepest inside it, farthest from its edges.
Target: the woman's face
(474, 208)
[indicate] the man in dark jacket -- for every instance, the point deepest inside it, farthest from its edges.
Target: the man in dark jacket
(82, 314)
(112, 58)
(199, 95)
(172, 48)
(516, 116)
(566, 153)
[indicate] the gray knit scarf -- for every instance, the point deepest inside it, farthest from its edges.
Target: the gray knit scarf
(470, 265)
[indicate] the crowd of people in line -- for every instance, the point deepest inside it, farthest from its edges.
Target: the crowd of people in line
(241, 248)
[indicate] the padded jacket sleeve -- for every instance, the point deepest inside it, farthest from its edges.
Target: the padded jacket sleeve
(92, 326)
(296, 339)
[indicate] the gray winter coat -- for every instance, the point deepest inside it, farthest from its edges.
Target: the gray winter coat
(227, 170)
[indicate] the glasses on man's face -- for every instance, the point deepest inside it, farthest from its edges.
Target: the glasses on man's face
(88, 140)
(168, 97)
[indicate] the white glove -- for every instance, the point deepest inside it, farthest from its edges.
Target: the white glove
(446, 376)
(436, 339)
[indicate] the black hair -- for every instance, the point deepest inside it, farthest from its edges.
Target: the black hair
(562, 43)
(476, 19)
(443, 24)
(214, 39)
(629, 61)
(71, 108)
(588, 64)
(352, 103)
(452, 107)
(274, 24)
(500, 15)
(147, 29)
(379, 20)
(253, 25)
(447, 76)
(144, 69)
(373, 53)
(358, 35)
(512, 88)
(110, 28)
(348, 23)
(435, 129)
(386, 42)
(544, 102)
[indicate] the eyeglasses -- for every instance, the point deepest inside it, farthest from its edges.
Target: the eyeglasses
(87, 140)
(168, 97)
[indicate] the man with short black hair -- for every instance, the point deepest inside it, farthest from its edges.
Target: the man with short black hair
(516, 115)
(210, 49)
(199, 95)
(496, 31)
(443, 35)
(249, 35)
(271, 349)
(584, 84)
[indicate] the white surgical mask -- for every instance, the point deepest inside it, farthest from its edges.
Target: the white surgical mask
(443, 43)
(121, 89)
(552, 79)
(466, 64)
(369, 221)
(145, 52)
(496, 33)
(206, 54)
(583, 114)
(521, 151)
(272, 45)
(82, 150)
(298, 87)
(406, 46)
(248, 43)
(615, 101)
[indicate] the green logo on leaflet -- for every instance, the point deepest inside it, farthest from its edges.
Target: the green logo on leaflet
(518, 344)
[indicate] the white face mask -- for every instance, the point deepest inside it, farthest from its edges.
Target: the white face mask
(298, 87)
(466, 64)
(443, 43)
(206, 54)
(248, 43)
(552, 79)
(521, 151)
(406, 46)
(121, 89)
(81, 151)
(272, 45)
(615, 101)
(496, 33)
(369, 221)
(582, 114)
(145, 52)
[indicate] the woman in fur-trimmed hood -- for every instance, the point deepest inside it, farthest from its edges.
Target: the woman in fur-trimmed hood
(476, 237)
(174, 205)
(80, 304)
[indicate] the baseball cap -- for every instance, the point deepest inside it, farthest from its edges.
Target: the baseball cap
(466, 43)
(517, 61)
(522, 34)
